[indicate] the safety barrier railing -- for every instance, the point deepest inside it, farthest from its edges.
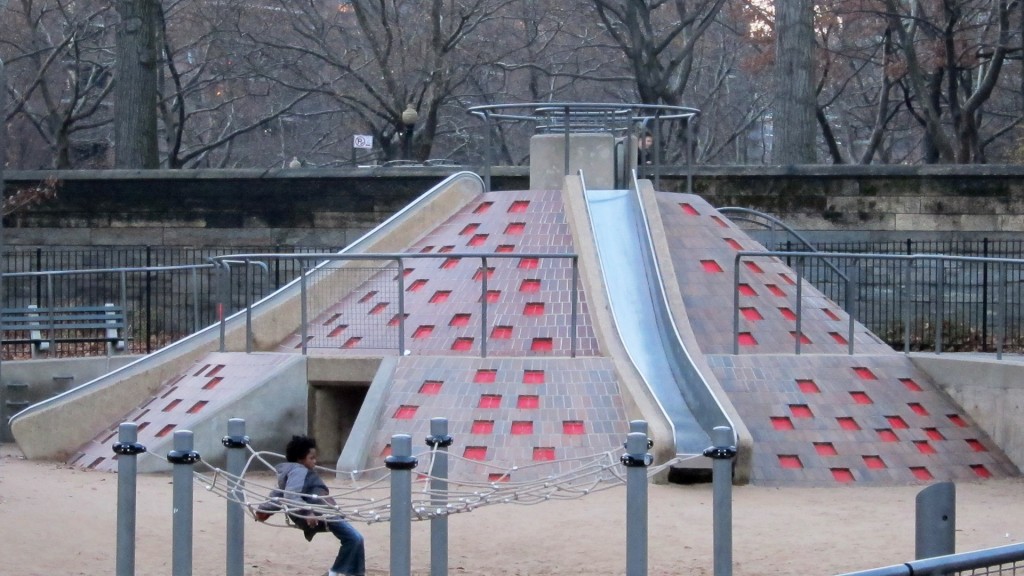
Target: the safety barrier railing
(1001, 561)
(1003, 266)
(320, 286)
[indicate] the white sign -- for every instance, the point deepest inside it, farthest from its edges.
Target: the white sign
(362, 141)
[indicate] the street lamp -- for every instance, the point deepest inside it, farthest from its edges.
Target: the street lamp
(409, 118)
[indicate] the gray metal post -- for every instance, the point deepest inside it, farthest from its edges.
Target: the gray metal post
(401, 463)
(248, 308)
(935, 528)
(906, 305)
(235, 442)
(183, 457)
(799, 304)
(722, 453)
(224, 279)
(401, 307)
(483, 307)
(940, 297)
(574, 299)
(736, 306)
(852, 292)
(127, 448)
(636, 460)
(303, 309)
(439, 440)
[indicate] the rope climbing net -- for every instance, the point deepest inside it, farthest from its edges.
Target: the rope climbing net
(364, 495)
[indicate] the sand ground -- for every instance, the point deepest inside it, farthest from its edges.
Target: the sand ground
(59, 520)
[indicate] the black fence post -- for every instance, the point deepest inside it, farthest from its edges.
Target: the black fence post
(984, 296)
(149, 300)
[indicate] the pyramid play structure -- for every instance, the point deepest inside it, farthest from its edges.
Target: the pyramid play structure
(560, 380)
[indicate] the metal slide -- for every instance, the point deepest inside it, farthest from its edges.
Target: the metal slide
(638, 306)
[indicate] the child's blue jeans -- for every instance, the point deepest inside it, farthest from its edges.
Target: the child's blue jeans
(351, 559)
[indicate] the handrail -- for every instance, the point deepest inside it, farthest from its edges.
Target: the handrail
(323, 258)
(952, 563)
(908, 261)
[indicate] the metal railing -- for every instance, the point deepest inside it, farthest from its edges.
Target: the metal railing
(932, 294)
(320, 286)
(1002, 561)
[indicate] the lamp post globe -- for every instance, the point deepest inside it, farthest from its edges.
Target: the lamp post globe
(409, 118)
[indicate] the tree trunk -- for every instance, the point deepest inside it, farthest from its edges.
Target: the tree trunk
(135, 94)
(794, 119)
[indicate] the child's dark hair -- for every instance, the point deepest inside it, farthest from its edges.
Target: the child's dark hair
(298, 447)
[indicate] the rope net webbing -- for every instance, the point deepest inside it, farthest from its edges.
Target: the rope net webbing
(365, 495)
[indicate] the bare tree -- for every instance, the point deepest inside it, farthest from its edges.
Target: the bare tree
(135, 95)
(794, 120)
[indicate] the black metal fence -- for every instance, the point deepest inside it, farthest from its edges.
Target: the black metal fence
(971, 295)
(162, 305)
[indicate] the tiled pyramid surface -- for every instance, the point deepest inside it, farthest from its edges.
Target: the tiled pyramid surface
(215, 382)
(823, 416)
(511, 419)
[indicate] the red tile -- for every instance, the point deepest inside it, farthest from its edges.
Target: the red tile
(753, 267)
(825, 449)
(981, 471)
(533, 377)
(746, 290)
(459, 320)
(934, 434)
(213, 383)
(431, 387)
(842, 475)
(533, 309)
(416, 285)
(337, 330)
(918, 409)
(874, 462)
(957, 420)
(861, 398)
(166, 430)
(462, 344)
(751, 314)
(747, 339)
(887, 435)
(721, 223)
(479, 274)
(386, 451)
(790, 461)
(482, 427)
(573, 427)
(522, 427)
(170, 406)
(440, 296)
(505, 249)
(515, 228)
(808, 387)
(483, 207)
(801, 411)
(485, 376)
(493, 296)
(864, 373)
(495, 477)
(426, 249)
(450, 263)
(734, 244)
(832, 315)
(331, 320)
(529, 263)
(367, 297)
(787, 314)
(911, 385)
(541, 345)
(475, 453)
(689, 210)
(847, 423)
(803, 338)
(775, 290)
(544, 454)
(924, 447)
(489, 401)
(215, 371)
(787, 279)
(897, 422)
(529, 285)
(528, 402)
(423, 332)
(782, 423)
(380, 307)
(468, 229)
(446, 249)
(197, 407)
(477, 240)
(921, 473)
(838, 338)
(976, 445)
(396, 319)
(519, 206)
(711, 267)
(405, 412)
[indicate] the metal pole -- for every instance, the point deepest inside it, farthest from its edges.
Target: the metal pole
(483, 307)
(689, 154)
(183, 457)
(248, 308)
(565, 116)
(852, 293)
(1002, 311)
(303, 308)
(940, 290)
(906, 305)
(439, 441)
(127, 448)
(401, 463)
(575, 303)
(935, 527)
(722, 453)
(736, 306)
(636, 460)
(195, 299)
(401, 307)
(490, 153)
(235, 442)
(224, 275)
(3, 162)
(799, 304)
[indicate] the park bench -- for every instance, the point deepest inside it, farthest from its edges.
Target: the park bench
(44, 328)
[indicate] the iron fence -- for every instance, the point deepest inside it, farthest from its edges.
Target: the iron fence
(165, 291)
(1001, 561)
